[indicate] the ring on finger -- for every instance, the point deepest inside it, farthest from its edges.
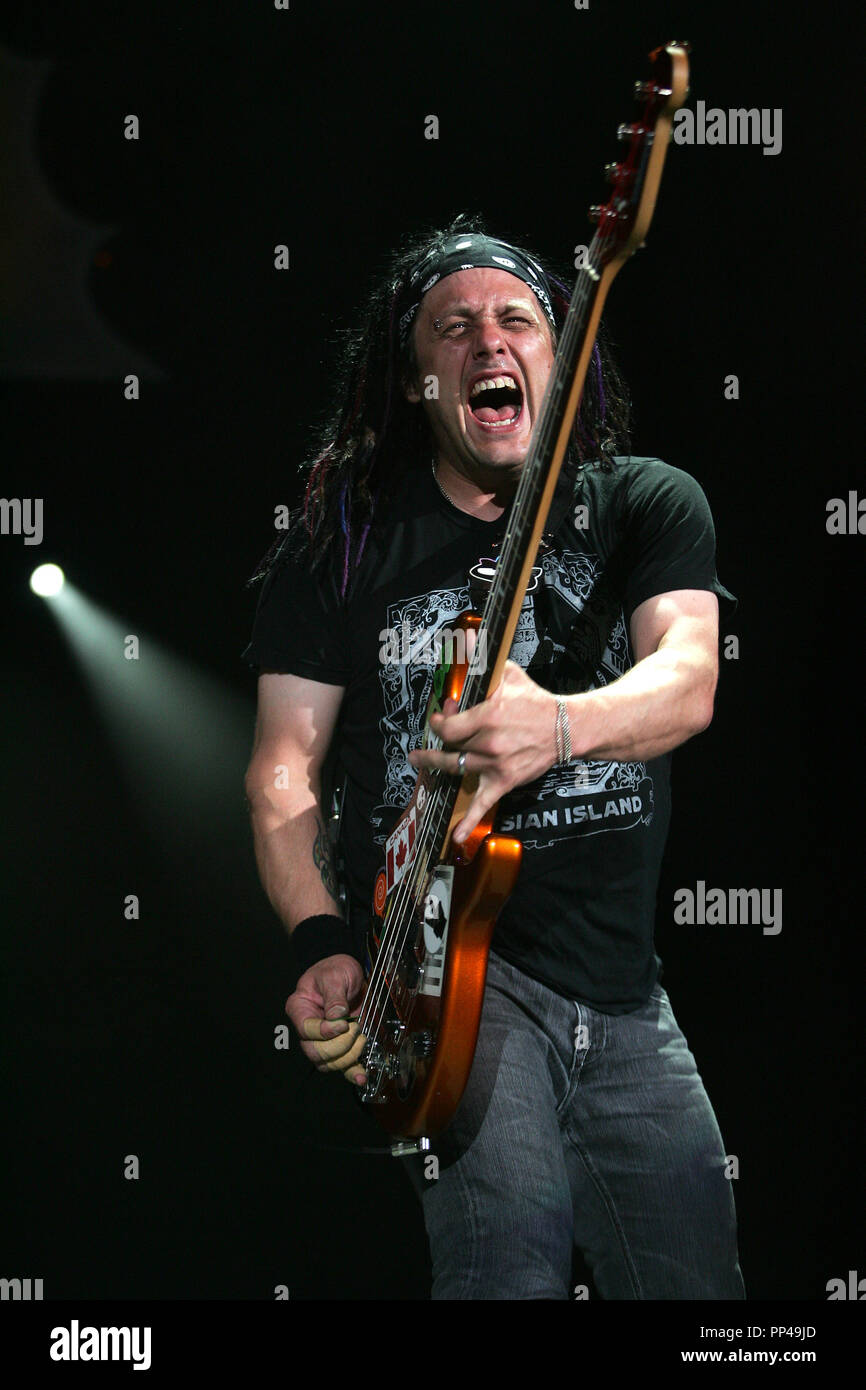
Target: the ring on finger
(461, 764)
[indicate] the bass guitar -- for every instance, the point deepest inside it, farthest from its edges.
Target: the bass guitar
(435, 904)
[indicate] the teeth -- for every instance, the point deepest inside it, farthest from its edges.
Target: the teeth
(493, 383)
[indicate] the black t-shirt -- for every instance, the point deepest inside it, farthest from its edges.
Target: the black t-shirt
(582, 913)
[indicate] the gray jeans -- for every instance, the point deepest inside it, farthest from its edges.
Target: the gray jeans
(579, 1128)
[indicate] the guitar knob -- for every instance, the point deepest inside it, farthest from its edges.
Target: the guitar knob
(423, 1044)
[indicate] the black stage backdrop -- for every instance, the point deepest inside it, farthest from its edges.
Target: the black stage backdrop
(159, 1144)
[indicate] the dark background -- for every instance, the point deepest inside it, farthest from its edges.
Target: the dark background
(155, 256)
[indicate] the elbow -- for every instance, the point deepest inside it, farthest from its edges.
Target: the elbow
(260, 788)
(702, 704)
(703, 716)
(252, 784)
(279, 786)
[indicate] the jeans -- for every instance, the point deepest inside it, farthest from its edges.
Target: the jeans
(583, 1128)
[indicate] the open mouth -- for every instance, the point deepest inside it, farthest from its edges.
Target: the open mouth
(496, 402)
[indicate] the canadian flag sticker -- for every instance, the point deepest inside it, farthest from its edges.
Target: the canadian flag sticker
(398, 849)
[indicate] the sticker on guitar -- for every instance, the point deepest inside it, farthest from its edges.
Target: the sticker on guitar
(437, 913)
(398, 850)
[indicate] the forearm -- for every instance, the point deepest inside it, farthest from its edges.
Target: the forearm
(656, 705)
(293, 853)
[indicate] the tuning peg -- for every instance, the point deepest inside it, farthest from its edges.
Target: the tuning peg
(612, 172)
(626, 131)
(666, 48)
(650, 89)
(604, 211)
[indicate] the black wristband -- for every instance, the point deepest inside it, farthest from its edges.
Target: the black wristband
(318, 937)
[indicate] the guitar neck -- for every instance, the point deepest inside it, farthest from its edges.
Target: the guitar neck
(623, 223)
(622, 227)
(539, 476)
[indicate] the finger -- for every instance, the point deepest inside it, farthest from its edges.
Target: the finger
(476, 811)
(313, 1027)
(348, 1045)
(336, 985)
(335, 1005)
(340, 1061)
(349, 1068)
(452, 728)
(446, 759)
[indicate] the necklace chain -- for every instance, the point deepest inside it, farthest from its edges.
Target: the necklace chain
(447, 496)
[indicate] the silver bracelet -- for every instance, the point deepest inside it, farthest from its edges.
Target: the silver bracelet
(563, 733)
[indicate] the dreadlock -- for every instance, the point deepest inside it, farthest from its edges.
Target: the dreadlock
(362, 450)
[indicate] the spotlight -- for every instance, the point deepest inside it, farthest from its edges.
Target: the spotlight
(47, 580)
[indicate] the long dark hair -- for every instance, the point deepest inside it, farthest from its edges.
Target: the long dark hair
(374, 432)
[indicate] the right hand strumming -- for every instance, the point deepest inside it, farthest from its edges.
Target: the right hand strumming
(324, 1009)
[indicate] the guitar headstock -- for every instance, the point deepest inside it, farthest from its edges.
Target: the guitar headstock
(623, 221)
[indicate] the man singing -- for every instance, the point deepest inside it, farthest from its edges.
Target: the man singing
(584, 1121)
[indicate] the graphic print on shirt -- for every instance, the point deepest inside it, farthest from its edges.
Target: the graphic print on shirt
(406, 689)
(587, 647)
(581, 799)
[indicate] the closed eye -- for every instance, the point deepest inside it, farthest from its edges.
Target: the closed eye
(464, 323)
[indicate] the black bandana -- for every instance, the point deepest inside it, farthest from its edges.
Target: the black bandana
(470, 251)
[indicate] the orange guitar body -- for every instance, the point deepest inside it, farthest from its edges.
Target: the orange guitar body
(480, 892)
(421, 1085)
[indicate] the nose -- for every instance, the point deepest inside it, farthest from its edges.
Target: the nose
(487, 337)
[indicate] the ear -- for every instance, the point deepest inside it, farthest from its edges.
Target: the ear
(410, 390)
